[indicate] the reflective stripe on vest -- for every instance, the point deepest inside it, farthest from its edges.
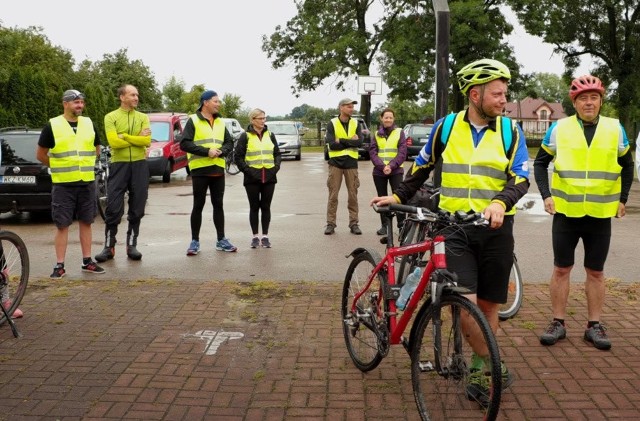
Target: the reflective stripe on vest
(259, 152)
(73, 157)
(388, 147)
(208, 137)
(472, 176)
(586, 178)
(339, 132)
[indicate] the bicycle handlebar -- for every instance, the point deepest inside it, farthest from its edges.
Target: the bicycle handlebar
(459, 217)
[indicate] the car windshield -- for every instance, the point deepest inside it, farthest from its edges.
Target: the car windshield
(160, 131)
(283, 129)
(19, 149)
(419, 131)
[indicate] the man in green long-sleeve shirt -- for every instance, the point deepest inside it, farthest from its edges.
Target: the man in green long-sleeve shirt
(129, 134)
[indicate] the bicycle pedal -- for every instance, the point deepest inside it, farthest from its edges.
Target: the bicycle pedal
(426, 366)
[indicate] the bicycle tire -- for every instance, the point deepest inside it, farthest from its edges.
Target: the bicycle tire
(14, 265)
(444, 395)
(514, 294)
(359, 335)
(231, 167)
(101, 194)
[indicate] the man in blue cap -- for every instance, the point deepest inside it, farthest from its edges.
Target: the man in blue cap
(207, 142)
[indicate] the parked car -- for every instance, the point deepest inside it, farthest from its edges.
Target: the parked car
(25, 184)
(417, 136)
(288, 137)
(363, 151)
(233, 126)
(164, 156)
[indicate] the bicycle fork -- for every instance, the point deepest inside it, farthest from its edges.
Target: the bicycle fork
(14, 328)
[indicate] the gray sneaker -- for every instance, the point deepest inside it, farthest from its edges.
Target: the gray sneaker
(555, 331)
(597, 335)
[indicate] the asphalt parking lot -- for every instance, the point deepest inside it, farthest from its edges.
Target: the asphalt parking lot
(300, 250)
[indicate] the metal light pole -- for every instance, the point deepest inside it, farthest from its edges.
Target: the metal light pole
(441, 9)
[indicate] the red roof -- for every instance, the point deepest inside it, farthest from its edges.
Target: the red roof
(529, 108)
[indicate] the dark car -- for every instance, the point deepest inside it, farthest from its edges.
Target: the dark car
(363, 151)
(417, 136)
(25, 184)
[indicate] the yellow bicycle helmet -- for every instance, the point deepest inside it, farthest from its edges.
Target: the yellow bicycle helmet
(480, 72)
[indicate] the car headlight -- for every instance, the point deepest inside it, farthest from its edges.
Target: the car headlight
(155, 153)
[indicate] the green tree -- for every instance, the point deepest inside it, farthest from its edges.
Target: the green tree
(478, 29)
(299, 112)
(231, 105)
(33, 75)
(331, 39)
(548, 86)
(172, 94)
(607, 31)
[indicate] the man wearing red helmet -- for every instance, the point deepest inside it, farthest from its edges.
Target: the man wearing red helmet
(592, 176)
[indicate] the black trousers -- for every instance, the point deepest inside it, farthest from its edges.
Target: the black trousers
(215, 186)
(131, 177)
(381, 182)
(260, 196)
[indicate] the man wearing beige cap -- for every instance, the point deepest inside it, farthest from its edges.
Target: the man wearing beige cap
(343, 138)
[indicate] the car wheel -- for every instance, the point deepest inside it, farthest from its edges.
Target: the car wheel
(166, 175)
(298, 157)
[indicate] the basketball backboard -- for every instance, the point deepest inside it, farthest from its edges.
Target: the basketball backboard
(369, 85)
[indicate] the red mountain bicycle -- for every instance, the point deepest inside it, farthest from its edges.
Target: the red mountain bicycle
(450, 379)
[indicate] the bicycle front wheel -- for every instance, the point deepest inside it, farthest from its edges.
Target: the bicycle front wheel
(101, 194)
(449, 380)
(359, 325)
(514, 293)
(232, 168)
(14, 271)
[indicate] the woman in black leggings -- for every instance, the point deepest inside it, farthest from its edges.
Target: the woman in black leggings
(258, 157)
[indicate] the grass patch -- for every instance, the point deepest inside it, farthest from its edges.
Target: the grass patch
(259, 375)
(60, 293)
(262, 290)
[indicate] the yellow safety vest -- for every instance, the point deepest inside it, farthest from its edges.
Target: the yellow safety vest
(259, 152)
(207, 137)
(388, 147)
(339, 132)
(74, 155)
(586, 178)
(473, 176)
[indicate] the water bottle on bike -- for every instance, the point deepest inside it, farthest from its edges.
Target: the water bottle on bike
(409, 286)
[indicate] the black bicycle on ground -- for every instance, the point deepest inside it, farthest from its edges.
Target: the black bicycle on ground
(102, 179)
(14, 276)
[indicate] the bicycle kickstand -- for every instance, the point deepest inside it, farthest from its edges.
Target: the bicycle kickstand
(14, 328)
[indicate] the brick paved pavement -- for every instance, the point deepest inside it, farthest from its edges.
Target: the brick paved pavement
(111, 350)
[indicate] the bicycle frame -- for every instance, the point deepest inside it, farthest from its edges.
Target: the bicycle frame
(436, 261)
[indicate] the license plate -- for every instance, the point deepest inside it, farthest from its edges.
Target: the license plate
(18, 179)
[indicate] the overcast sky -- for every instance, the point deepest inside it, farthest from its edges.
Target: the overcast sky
(171, 37)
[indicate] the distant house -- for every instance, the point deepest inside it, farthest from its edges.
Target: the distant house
(534, 115)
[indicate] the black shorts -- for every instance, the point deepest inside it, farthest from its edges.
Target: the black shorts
(70, 201)
(482, 259)
(595, 234)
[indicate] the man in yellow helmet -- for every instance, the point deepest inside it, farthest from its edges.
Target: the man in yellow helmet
(68, 145)
(592, 176)
(484, 169)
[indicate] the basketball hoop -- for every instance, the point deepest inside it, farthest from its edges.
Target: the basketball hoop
(369, 85)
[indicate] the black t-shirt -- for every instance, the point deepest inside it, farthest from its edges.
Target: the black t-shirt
(47, 140)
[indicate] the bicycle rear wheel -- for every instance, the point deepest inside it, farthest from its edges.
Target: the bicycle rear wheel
(359, 326)
(446, 383)
(14, 271)
(515, 291)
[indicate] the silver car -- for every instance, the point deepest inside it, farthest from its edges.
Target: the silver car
(288, 137)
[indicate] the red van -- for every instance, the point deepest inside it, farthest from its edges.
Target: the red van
(164, 156)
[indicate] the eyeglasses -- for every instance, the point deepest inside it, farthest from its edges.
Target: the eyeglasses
(259, 118)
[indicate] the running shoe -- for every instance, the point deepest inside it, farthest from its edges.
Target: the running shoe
(225, 245)
(194, 248)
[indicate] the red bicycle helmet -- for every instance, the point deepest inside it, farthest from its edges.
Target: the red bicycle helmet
(586, 83)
